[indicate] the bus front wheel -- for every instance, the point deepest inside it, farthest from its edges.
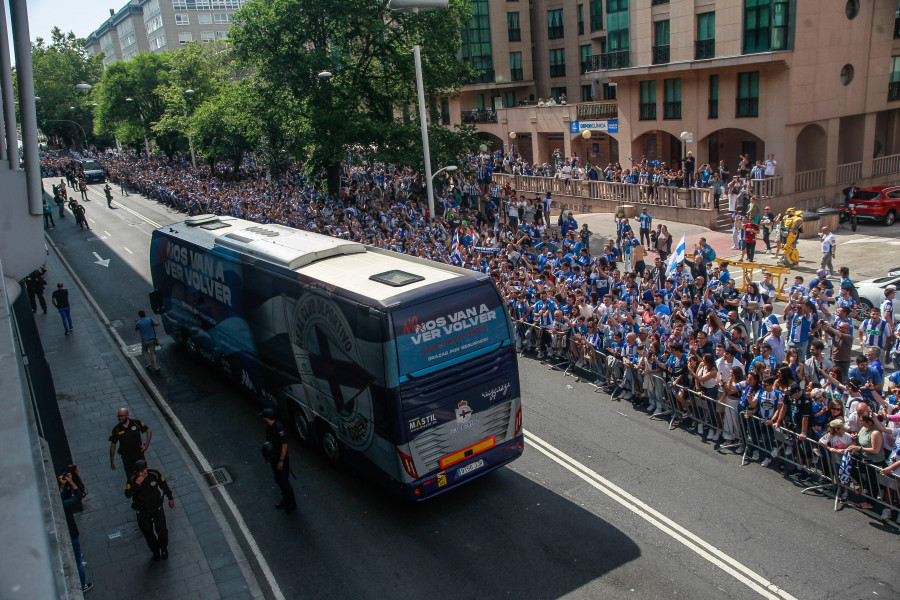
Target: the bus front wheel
(301, 424)
(331, 446)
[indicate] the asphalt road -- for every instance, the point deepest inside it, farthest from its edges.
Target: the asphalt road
(663, 515)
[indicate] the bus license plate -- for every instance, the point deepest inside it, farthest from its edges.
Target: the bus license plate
(469, 468)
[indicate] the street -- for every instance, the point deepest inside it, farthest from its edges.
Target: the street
(605, 503)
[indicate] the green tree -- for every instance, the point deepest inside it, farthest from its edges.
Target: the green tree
(367, 49)
(58, 67)
(224, 127)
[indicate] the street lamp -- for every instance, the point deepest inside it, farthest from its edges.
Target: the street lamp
(421, 6)
(85, 87)
(190, 92)
(449, 169)
(141, 115)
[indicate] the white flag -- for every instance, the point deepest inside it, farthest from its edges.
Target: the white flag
(675, 258)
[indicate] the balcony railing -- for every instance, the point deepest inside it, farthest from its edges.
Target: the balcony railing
(486, 76)
(894, 90)
(648, 111)
(515, 35)
(713, 109)
(848, 172)
(885, 165)
(557, 70)
(556, 32)
(809, 180)
(767, 188)
(660, 54)
(747, 107)
(589, 111)
(704, 49)
(516, 74)
(618, 59)
(671, 110)
(475, 115)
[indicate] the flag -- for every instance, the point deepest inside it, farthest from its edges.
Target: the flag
(455, 257)
(844, 470)
(675, 258)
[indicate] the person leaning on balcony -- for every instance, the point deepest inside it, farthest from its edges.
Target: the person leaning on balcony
(770, 166)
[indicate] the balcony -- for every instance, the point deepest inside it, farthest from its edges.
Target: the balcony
(485, 76)
(671, 110)
(713, 109)
(704, 49)
(619, 59)
(475, 115)
(660, 54)
(747, 107)
(557, 70)
(648, 111)
(516, 74)
(597, 111)
(554, 33)
(515, 35)
(894, 90)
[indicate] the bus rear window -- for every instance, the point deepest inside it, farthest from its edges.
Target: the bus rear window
(446, 328)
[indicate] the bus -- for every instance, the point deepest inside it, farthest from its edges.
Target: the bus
(403, 368)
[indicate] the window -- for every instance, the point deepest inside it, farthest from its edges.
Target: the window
(126, 27)
(661, 42)
(184, 37)
(713, 96)
(151, 9)
(128, 40)
(158, 43)
(556, 92)
(672, 102)
(894, 81)
(705, 46)
(509, 99)
(555, 28)
(515, 66)
(648, 101)
(207, 36)
(586, 95)
(179, 4)
(512, 25)
(748, 94)
(182, 19)
(203, 5)
(765, 25)
(617, 37)
(154, 24)
(204, 18)
(596, 15)
(445, 111)
(581, 19)
(221, 18)
(897, 21)
(221, 35)
(558, 62)
(609, 91)
(585, 52)
(476, 42)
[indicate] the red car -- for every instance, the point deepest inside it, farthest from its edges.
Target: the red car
(877, 203)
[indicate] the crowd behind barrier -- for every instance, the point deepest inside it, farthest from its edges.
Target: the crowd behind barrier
(673, 336)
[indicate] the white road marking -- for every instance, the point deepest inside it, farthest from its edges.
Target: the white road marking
(127, 250)
(91, 220)
(107, 233)
(705, 550)
(135, 213)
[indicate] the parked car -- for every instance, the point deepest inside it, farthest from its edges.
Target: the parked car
(879, 203)
(93, 172)
(871, 292)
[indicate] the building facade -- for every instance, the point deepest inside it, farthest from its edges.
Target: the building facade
(816, 84)
(159, 26)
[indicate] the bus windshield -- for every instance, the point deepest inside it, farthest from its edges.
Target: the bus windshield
(443, 329)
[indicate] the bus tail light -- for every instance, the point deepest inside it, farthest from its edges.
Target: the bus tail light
(408, 465)
(519, 420)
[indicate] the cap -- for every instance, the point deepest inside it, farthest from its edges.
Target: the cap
(794, 389)
(267, 413)
(837, 424)
(817, 393)
(821, 272)
(854, 383)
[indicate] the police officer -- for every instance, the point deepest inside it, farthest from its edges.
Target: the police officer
(146, 488)
(35, 284)
(127, 434)
(276, 454)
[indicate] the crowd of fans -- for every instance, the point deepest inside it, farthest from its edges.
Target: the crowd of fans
(641, 324)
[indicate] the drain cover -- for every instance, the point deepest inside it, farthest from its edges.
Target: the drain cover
(217, 477)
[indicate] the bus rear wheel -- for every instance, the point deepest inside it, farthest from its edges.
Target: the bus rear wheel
(331, 446)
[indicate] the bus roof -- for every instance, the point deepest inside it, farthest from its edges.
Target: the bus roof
(332, 261)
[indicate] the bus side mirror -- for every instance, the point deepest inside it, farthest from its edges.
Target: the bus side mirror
(156, 302)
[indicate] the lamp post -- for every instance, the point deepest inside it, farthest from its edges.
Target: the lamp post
(187, 93)
(421, 6)
(141, 115)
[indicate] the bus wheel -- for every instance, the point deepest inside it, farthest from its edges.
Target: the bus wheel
(301, 424)
(190, 344)
(331, 446)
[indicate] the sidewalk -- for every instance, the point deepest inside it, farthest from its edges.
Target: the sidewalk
(93, 380)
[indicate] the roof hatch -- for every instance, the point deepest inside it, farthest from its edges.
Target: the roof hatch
(285, 246)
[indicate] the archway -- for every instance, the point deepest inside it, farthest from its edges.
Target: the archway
(729, 145)
(656, 145)
(812, 143)
(492, 141)
(600, 149)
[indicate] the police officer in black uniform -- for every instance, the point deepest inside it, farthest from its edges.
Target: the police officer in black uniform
(127, 434)
(276, 454)
(35, 284)
(146, 488)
